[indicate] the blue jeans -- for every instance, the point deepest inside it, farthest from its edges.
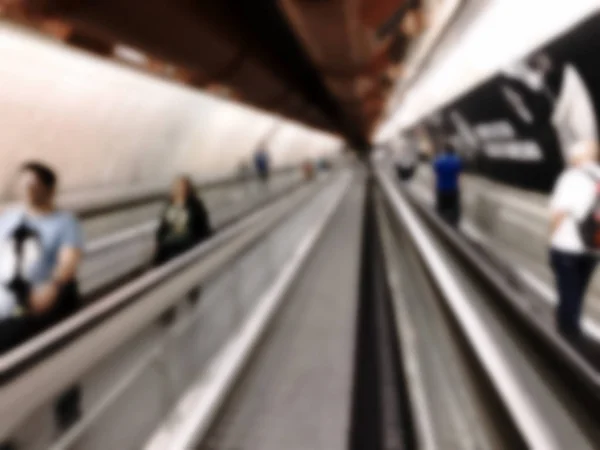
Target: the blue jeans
(573, 272)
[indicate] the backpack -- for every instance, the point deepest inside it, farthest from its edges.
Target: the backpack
(589, 227)
(19, 252)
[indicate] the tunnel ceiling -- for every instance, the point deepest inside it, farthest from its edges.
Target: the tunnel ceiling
(327, 63)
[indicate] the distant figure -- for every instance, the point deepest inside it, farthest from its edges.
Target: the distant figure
(448, 167)
(574, 200)
(405, 162)
(403, 156)
(262, 164)
(183, 224)
(324, 165)
(308, 170)
(40, 252)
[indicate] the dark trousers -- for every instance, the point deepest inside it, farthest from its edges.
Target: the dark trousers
(14, 332)
(573, 273)
(448, 206)
(405, 173)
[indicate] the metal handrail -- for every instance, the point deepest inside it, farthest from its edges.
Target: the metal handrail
(199, 407)
(555, 346)
(527, 418)
(136, 288)
(104, 243)
(138, 303)
(97, 280)
(409, 342)
(94, 203)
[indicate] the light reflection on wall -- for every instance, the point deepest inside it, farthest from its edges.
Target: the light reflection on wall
(100, 123)
(503, 31)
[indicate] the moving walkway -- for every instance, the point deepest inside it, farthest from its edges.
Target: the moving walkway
(343, 315)
(109, 346)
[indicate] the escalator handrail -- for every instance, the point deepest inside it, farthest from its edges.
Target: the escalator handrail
(102, 244)
(91, 205)
(533, 428)
(551, 343)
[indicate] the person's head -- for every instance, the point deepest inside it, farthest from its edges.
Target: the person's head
(583, 152)
(449, 149)
(182, 189)
(37, 184)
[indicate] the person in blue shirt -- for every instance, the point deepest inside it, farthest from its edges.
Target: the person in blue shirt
(448, 167)
(40, 251)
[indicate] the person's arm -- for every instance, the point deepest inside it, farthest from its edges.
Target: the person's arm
(556, 220)
(68, 263)
(161, 230)
(159, 239)
(201, 224)
(560, 201)
(69, 256)
(45, 296)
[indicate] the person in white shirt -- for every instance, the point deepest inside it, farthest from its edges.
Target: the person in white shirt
(571, 200)
(404, 158)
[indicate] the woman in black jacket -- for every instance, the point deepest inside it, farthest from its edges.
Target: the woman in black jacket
(183, 224)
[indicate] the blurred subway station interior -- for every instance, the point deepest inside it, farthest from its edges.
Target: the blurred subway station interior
(299, 224)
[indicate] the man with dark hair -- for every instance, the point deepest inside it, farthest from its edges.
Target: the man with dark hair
(59, 237)
(46, 175)
(447, 167)
(40, 251)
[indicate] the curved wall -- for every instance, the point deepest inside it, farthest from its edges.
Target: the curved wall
(497, 33)
(103, 124)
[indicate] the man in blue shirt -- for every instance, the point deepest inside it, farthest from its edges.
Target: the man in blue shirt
(40, 251)
(447, 167)
(51, 243)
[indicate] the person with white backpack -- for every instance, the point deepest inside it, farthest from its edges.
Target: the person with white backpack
(575, 233)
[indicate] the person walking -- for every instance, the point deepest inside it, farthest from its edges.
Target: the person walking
(262, 164)
(40, 251)
(448, 167)
(183, 224)
(404, 157)
(573, 198)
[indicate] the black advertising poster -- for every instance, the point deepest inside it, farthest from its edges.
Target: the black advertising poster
(517, 127)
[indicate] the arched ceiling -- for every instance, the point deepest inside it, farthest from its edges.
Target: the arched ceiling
(329, 64)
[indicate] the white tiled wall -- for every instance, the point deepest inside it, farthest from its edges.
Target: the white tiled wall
(102, 124)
